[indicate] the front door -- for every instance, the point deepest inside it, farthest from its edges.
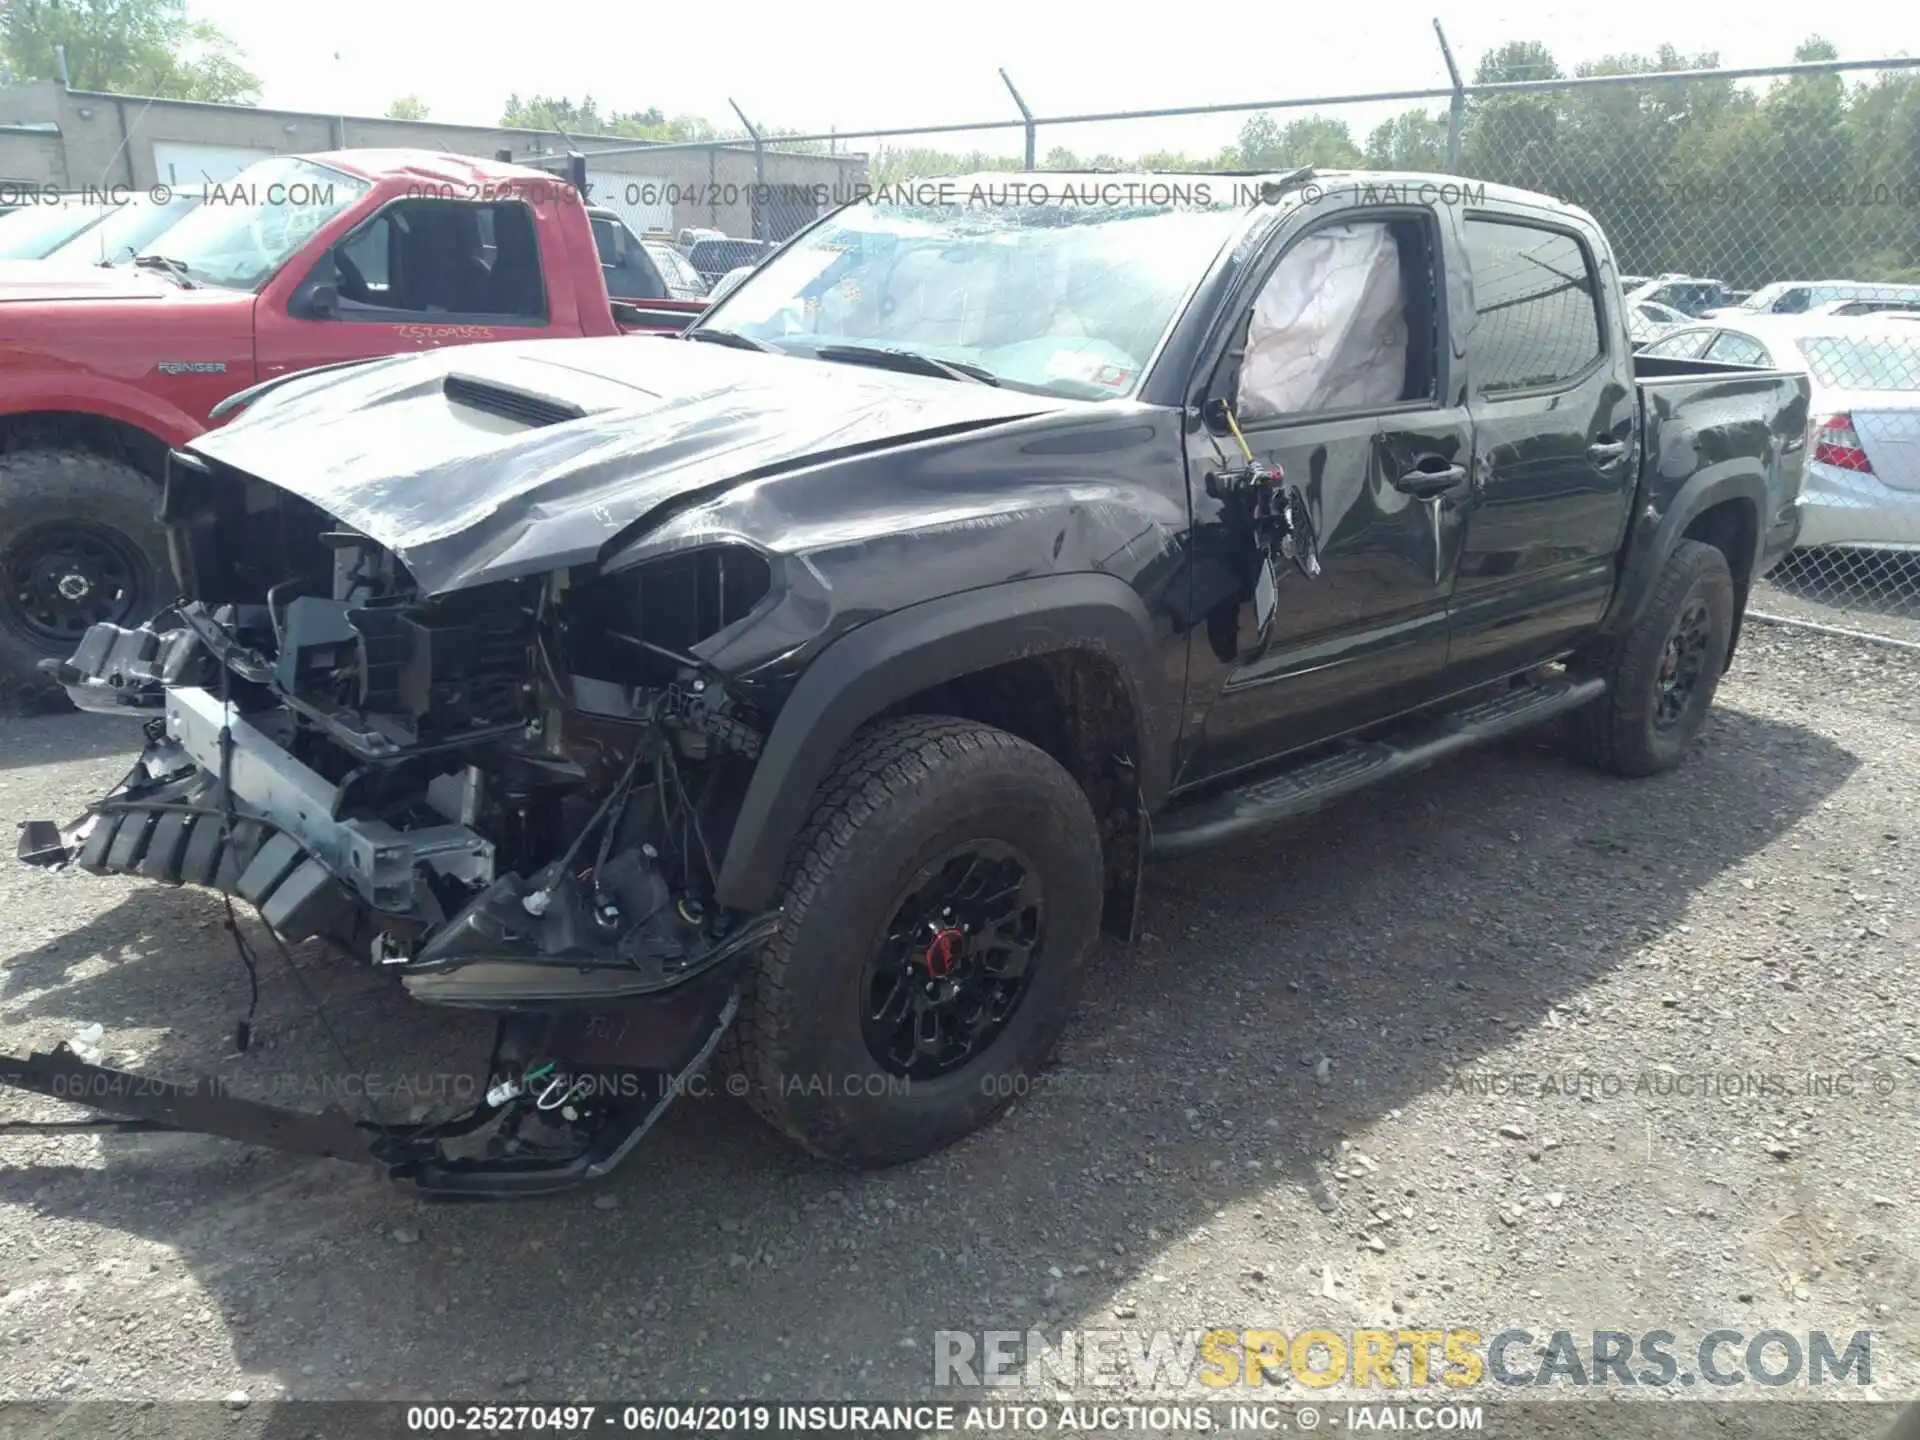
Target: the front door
(1337, 379)
(418, 274)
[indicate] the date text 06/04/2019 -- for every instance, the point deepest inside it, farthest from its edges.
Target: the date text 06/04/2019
(937, 1419)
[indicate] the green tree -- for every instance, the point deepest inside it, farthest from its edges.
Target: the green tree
(135, 47)
(1809, 147)
(1515, 139)
(540, 112)
(891, 165)
(408, 107)
(1318, 140)
(562, 115)
(1413, 140)
(1618, 147)
(1884, 117)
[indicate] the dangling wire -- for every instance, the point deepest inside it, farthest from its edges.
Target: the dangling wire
(326, 1025)
(243, 1031)
(692, 809)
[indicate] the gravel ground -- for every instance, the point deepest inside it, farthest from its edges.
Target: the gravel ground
(1422, 1064)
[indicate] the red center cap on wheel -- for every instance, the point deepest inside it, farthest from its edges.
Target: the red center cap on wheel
(943, 951)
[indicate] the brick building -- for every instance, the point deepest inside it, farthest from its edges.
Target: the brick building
(73, 139)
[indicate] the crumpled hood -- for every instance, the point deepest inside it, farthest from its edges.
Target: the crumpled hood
(446, 459)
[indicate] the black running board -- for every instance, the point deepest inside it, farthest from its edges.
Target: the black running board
(1304, 788)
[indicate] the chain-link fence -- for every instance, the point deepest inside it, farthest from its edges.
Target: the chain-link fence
(1759, 216)
(1768, 221)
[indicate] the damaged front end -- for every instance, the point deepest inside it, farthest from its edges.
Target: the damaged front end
(512, 797)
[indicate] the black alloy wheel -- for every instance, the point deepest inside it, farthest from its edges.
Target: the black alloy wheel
(957, 958)
(1682, 663)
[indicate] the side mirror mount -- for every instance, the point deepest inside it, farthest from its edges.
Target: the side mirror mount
(323, 301)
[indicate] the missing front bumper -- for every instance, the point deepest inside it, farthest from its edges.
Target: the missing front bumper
(496, 1165)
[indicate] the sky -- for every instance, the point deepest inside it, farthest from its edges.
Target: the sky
(862, 63)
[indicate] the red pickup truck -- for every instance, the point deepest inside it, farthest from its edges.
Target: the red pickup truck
(300, 261)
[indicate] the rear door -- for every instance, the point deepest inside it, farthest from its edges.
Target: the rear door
(1336, 369)
(1555, 422)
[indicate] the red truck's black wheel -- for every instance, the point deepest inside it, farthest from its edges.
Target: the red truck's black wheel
(79, 544)
(937, 909)
(1663, 672)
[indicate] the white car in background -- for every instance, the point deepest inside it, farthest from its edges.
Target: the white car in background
(1867, 307)
(1862, 485)
(36, 230)
(1648, 320)
(1800, 297)
(127, 232)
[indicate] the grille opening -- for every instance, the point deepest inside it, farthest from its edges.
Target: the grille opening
(673, 603)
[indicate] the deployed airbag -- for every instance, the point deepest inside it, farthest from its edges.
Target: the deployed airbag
(1329, 330)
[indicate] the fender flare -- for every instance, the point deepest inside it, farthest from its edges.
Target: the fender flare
(1655, 534)
(884, 661)
(99, 398)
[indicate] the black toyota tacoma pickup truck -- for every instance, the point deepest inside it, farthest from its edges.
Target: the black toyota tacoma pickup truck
(811, 688)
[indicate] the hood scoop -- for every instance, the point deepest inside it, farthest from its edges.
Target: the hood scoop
(510, 402)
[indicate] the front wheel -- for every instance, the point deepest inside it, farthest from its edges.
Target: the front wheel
(79, 544)
(938, 906)
(1662, 674)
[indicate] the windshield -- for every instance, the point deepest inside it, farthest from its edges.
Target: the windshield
(252, 224)
(127, 231)
(1765, 296)
(1059, 298)
(35, 231)
(1874, 362)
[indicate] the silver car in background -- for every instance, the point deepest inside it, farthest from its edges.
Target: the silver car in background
(1862, 486)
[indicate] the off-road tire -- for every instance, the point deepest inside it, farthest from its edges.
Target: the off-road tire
(42, 486)
(901, 793)
(1617, 732)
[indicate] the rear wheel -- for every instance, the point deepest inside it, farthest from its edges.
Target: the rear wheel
(1663, 673)
(79, 544)
(937, 909)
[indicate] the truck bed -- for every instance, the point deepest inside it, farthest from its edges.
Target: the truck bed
(1705, 419)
